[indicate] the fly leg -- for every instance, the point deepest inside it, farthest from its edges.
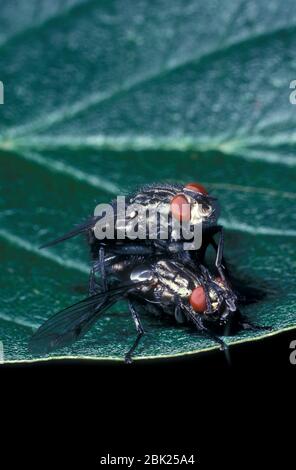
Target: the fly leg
(219, 248)
(92, 285)
(217, 339)
(231, 299)
(98, 266)
(219, 255)
(140, 331)
(102, 268)
(206, 291)
(202, 328)
(207, 332)
(220, 262)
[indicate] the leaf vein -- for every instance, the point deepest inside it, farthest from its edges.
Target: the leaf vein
(63, 114)
(28, 246)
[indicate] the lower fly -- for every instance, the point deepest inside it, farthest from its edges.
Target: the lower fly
(164, 287)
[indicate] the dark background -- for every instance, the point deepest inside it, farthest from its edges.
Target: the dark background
(71, 413)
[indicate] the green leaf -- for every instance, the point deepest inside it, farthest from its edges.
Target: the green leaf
(103, 96)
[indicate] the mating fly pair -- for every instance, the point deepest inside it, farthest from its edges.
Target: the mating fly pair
(186, 204)
(157, 276)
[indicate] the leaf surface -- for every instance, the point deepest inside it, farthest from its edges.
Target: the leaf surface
(101, 97)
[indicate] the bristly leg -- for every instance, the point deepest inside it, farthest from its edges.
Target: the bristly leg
(198, 322)
(219, 255)
(102, 269)
(98, 266)
(217, 339)
(140, 331)
(92, 286)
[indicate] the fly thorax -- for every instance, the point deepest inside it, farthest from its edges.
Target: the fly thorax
(172, 282)
(145, 275)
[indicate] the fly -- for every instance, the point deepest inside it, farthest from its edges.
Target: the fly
(164, 287)
(191, 203)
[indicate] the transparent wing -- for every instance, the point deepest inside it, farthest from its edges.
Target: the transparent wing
(72, 323)
(84, 227)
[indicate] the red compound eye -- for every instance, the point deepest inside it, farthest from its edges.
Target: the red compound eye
(180, 208)
(196, 187)
(198, 300)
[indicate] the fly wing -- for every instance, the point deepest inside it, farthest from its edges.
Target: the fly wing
(84, 227)
(72, 323)
(68, 325)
